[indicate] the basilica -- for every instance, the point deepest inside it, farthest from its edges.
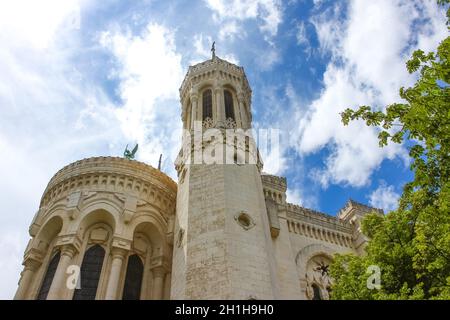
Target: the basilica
(115, 228)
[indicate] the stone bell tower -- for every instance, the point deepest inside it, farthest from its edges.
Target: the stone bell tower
(222, 245)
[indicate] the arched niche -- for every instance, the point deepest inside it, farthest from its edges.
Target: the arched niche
(48, 232)
(313, 266)
(98, 216)
(148, 250)
(318, 280)
(44, 243)
(148, 233)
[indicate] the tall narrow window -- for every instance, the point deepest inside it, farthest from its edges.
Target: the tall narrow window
(91, 269)
(133, 278)
(48, 278)
(207, 104)
(229, 109)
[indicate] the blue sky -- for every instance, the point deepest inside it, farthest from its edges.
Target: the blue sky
(82, 78)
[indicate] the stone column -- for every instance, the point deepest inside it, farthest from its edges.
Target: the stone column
(58, 288)
(220, 110)
(244, 120)
(112, 289)
(238, 112)
(194, 115)
(30, 267)
(159, 274)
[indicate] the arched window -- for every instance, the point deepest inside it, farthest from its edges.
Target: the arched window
(207, 104)
(229, 109)
(91, 269)
(48, 278)
(133, 278)
(316, 291)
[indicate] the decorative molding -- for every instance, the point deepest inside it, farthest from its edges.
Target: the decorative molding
(318, 232)
(309, 216)
(208, 123)
(111, 177)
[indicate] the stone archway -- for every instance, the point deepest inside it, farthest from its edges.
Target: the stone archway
(318, 281)
(312, 265)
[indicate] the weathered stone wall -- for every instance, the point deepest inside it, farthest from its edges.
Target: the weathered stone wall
(225, 260)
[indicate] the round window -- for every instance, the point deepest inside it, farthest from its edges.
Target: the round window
(244, 220)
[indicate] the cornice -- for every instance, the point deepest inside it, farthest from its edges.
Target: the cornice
(117, 171)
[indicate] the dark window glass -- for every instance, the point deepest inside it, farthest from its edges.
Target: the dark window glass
(91, 269)
(133, 279)
(207, 104)
(316, 291)
(48, 278)
(229, 109)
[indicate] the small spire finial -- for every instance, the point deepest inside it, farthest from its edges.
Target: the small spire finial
(159, 163)
(213, 49)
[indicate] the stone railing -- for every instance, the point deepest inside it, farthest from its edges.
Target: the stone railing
(362, 208)
(318, 225)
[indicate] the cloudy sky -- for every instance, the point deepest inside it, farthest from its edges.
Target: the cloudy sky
(84, 78)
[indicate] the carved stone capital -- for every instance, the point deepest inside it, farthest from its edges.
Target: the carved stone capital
(69, 242)
(121, 243)
(160, 262)
(159, 272)
(218, 89)
(194, 97)
(32, 263)
(118, 253)
(68, 250)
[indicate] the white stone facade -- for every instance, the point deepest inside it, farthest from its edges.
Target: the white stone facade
(224, 232)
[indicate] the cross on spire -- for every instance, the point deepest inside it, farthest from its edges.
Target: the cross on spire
(213, 49)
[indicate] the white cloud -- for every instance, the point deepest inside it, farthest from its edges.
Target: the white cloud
(150, 72)
(384, 197)
(269, 11)
(302, 37)
(28, 22)
(230, 30)
(368, 53)
(298, 196)
(294, 196)
(50, 116)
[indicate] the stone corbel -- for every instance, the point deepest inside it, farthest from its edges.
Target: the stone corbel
(129, 208)
(272, 214)
(72, 206)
